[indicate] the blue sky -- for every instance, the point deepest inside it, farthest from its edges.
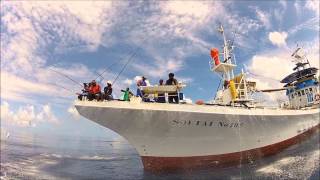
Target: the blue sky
(82, 38)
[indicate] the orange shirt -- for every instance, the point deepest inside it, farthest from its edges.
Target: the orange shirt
(95, 89)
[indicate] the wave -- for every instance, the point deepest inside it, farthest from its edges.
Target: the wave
(86, 157)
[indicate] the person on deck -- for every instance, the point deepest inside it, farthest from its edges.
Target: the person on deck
(127, 94)
(94, 91)
(141, 82)
(173, 97)
(161, 96)
(85, 91)
(108, 91)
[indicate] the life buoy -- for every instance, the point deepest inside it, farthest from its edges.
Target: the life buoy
(317, 97)
(215, 56)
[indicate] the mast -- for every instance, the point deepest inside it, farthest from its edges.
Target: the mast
(226, 54)
(235, 88)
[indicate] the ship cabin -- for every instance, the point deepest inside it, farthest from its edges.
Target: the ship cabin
(302, 94)
(302, 87)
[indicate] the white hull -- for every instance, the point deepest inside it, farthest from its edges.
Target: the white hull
(170, 130)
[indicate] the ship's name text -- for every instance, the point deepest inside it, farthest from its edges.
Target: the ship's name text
(221, 124)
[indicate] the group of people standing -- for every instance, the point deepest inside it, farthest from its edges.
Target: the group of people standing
(172, 97)
(92, 91)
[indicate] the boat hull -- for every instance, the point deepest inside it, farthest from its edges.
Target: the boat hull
(170, 137)
(159, 164)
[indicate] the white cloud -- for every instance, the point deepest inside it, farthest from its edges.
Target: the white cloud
(27, 115)
(30, 27)
(46, 115)
(264, 17)
(128, 82)
(269, 68)
(73, 111)
(177, 21)
(84, 20)
(19, 89)
(314, 6)
(278, 38)
(274, 67)
(312, 24)
(297, 7)
(161, 68)
(197, 9)
(283, 3)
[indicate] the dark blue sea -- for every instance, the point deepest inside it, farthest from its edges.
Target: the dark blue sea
(34, 156)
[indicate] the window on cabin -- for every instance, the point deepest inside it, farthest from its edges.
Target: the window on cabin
(302, 92)
(299, 93)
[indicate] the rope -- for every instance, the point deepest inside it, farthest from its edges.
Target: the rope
(263, 76)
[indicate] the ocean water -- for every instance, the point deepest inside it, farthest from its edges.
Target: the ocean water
(38, 157)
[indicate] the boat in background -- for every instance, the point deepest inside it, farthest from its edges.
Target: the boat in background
(231, 130)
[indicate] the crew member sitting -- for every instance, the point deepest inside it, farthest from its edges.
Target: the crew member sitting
(108, 91)
(94, 91)
(173, 97)
(84, 93)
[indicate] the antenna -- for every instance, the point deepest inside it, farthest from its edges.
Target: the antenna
(233, 38)
(220, 29)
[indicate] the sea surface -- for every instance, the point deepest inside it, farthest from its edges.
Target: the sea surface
(61, 157)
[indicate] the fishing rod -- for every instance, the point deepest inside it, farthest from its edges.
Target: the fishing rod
(133, 53)
(60, 86)
(108, 68)
(62, 74)
(124, 67)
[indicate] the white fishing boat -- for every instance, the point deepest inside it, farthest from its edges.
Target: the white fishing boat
(229, 130)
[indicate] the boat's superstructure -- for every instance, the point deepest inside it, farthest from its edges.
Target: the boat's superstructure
(302, 85)
(230, 130)
(234, 89)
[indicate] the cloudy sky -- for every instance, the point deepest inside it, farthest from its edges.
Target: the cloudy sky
(84, 39)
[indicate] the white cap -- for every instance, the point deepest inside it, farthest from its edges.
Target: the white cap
(109, 82)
